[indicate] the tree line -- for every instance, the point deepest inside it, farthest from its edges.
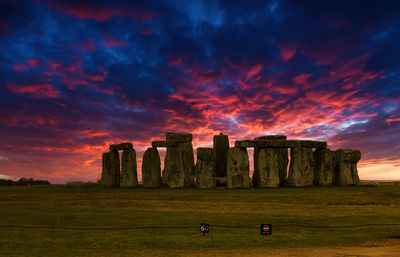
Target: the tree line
(23, 182)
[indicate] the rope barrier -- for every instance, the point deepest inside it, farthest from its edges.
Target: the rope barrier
(196, 227)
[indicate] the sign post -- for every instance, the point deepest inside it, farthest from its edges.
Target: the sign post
(266, 229)
(204, 228)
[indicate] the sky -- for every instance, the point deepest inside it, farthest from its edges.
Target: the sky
(77, 76)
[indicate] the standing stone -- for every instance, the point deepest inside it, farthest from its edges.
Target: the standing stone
(174, 169)
(188, 163)
(266, 168)
(283, 160)
(282, 156)
(271, 137)
(179, 137)
(237, 168)
(323, 175)
(301, 170)
(205, 168)
(105, 172)
(110, 176)
(182, 141)
(345, 163)
(129, 169)
(151, 168)
(122, 146)
(221, 146)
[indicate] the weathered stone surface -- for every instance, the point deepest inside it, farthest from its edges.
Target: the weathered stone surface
(282, 156)
(151, 168)
(281, 143)
(182, 142)
(105, 172)
(345, 163)
(110, 176)
(122, 146)
(221, 146)
(283, 161)
(238, 168)
(179, 137)
(266, 168)
(164, 144)
(302, 165)
(188, 163)
(205, 168)
(174, 169)
(324, 171)
(129, 169)
(270, 137)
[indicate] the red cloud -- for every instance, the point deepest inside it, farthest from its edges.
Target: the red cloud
(35, 90)
(100, 12)
(301, 79)
(111, 41)
(33, 61)
(287, 51)
(20, 66)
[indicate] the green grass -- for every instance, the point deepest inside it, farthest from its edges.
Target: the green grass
(58, 206)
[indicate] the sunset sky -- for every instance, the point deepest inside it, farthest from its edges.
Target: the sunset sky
(76, 76)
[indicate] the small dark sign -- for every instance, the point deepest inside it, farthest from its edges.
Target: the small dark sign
(266, 229)
(204, 228)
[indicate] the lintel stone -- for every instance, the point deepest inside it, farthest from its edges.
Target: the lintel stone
(281, 143)
(122, 146)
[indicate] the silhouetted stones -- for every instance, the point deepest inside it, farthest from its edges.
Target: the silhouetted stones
(122, 146)
(205, 168)
(221, 146)
(237, 168)
(324, 172)
(128, 169)
(110, 176)
(346, 172)
(301, 170)
(151, 168)
(224, 166)
(266, 170)
(281, 143)
(179, 137)
(174, 169)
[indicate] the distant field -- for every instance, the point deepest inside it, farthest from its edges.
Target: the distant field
(93, 207)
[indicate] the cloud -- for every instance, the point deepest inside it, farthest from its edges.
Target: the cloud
(77, 76)
(35, 90)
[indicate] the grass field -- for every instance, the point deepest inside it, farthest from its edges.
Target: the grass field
(94, 207)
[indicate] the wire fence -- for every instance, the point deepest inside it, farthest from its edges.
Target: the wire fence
(9, 240)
